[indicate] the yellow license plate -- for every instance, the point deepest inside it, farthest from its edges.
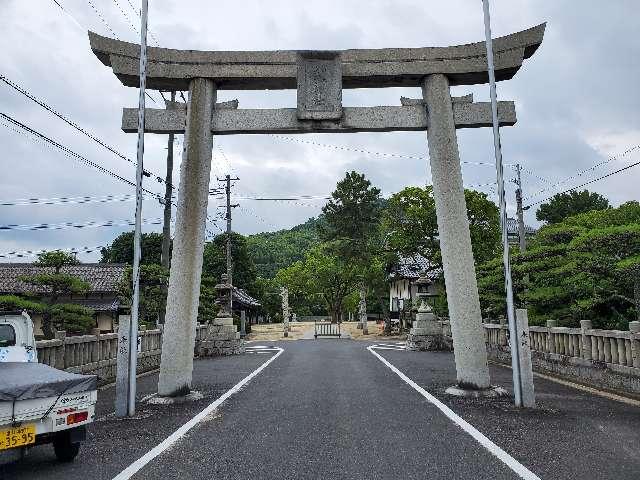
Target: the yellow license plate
(17, 437)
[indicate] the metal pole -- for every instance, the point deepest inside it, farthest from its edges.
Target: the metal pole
(168, 191)
(513, 333)
(229, 266)
(133, 327)
(521, 232)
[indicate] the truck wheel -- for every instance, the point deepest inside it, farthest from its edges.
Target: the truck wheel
(64, 449)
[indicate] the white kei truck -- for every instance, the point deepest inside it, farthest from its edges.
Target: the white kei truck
(38, 403)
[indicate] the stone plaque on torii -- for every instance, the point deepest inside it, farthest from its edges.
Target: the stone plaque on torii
(319, 77)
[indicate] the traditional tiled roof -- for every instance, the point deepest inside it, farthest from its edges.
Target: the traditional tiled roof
(413, 267)
(512, 228)
(102, 277)
(243, 298)
(99, 305)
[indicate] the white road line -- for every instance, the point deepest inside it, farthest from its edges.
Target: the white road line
(179, 433)
(522, 471)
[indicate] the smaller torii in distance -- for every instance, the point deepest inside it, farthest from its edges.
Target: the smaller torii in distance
(319, 77)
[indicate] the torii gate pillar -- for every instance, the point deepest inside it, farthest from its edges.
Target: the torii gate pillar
(179, 336)
(455, 239)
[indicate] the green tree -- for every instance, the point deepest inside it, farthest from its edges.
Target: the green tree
(153, 295)
(410, 224)
(52, 285)
(121, 249)
(585, 267)
(322, 273)
(352, 227)
(272, 251)
(563, 205)
(215, 261)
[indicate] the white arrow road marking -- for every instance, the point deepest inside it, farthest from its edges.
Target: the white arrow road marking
(522, 471)
(179, 433)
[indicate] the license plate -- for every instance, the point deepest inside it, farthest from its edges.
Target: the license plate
(17, 437)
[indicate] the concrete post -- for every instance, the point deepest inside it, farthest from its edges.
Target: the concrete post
(122, 366)
(586, 341)
(455, 241)
(634, 328)
(243, 320)
(526, 368)
(285, 310)
(178, 341)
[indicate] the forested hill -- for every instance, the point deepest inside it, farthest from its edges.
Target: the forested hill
(272, 251)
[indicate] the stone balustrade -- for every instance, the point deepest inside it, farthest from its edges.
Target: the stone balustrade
(96, 354)
(602, 358)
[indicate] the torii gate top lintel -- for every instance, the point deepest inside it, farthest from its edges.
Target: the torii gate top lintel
(170, 69)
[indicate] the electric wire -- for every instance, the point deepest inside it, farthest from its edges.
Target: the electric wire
(585, 184)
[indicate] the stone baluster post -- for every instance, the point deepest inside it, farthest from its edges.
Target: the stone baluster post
(176, 366)
(455, 241)
(634, 328)
(285, 310)
(586, 325)
(60, 350)
(551, 341)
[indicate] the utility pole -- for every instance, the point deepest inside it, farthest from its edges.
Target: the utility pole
(227, 179)
(165, 257)
(168, 193)
(520, 212)
(133, 325)
(516, 361)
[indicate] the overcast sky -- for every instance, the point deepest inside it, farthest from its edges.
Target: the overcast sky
(577, 102)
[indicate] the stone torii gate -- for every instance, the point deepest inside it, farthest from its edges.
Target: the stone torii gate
(319, 77)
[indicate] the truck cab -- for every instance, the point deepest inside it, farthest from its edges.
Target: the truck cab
(38, 403)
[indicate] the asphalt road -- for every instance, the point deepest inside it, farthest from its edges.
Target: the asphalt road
(330, 409)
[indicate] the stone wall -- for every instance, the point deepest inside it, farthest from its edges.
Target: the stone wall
(605, 359)
(96, 354)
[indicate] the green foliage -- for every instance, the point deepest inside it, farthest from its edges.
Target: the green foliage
(321, 273)
(154, 280)
(585, 267)
(121, 249)
(73, 318)
(352, 217)
(13, 302)
(53, 286)
(563, 205)
(410, 224)
(272, 251)
(56, 259)
(215, 260)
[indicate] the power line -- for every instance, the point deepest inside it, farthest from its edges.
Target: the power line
(67, 200)
(68, 121)
(35, 253)
(367, 152)
(584, 184)
(68, 152)
(103, 19)
(65, 225)
(582, 172)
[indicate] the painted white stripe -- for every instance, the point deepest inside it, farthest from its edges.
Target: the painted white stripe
(381, 347)
(522, 471)
(179, 433)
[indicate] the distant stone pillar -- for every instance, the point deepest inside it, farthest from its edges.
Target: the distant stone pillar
(243, 321)
(285, 311)
(178, 341)
(455, 241)
(363, 310)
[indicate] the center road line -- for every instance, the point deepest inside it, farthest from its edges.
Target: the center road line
(522, 471)
(132, 469)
